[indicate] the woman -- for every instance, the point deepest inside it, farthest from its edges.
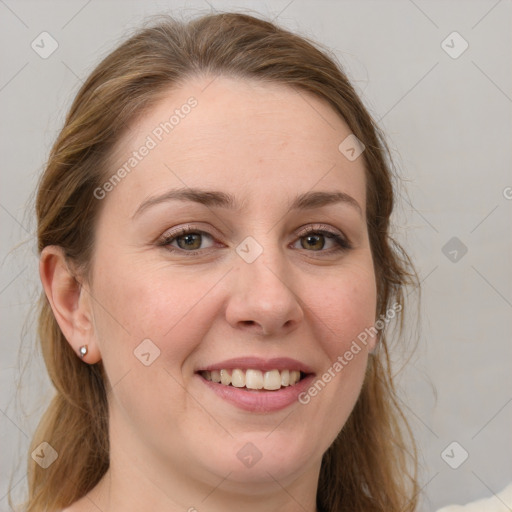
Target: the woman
(219, 277)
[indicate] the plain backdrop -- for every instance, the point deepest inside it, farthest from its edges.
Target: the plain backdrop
(446, 109)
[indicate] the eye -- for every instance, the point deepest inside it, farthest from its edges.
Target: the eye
(314, 239)
(185, 239)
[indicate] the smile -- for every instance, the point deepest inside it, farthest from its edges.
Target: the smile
(254, 379)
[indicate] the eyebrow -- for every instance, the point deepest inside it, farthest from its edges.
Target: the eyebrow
(215, 198)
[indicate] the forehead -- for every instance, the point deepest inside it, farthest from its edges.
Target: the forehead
(246, 137)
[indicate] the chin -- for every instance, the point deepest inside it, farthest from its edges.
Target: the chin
(262, 460)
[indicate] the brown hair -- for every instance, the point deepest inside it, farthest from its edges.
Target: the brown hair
(369, 467)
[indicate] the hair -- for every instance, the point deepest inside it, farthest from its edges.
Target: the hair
(372, 464)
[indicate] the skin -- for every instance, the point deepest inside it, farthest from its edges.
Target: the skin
(174, 443)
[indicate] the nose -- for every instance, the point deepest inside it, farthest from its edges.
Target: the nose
(262, 299)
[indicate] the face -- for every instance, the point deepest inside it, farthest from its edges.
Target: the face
(184, 285)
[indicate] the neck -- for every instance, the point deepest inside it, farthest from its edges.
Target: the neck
(125, 491)
(137, 480)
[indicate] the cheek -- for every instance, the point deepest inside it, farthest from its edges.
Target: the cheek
(147, 323)
(137, 302)
(345, 308)
(343, 315)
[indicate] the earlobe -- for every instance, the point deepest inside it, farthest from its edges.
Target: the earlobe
(69, 303)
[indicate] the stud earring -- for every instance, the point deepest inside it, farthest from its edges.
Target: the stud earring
(83, 351)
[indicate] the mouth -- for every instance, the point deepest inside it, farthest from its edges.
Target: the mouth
(254, 379)
(256, 384)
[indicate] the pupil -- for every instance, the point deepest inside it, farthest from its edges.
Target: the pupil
(189, 240)
(312, 238)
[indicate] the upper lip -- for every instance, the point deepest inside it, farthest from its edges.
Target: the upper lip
(257, 363)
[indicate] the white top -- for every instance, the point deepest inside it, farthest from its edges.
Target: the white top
(500, 502)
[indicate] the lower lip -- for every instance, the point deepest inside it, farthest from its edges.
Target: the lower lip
(259, 400)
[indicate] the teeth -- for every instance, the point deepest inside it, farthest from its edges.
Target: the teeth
(238, 379)
(294, 377)
(272, 380)
(254, 379)
(225, 378)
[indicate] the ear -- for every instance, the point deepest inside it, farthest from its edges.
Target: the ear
(70, 303)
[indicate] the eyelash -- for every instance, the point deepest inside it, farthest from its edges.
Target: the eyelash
(342, 243)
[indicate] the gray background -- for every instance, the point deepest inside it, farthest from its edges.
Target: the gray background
(448, 122)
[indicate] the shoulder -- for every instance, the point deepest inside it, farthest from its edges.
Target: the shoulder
(501, 502)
